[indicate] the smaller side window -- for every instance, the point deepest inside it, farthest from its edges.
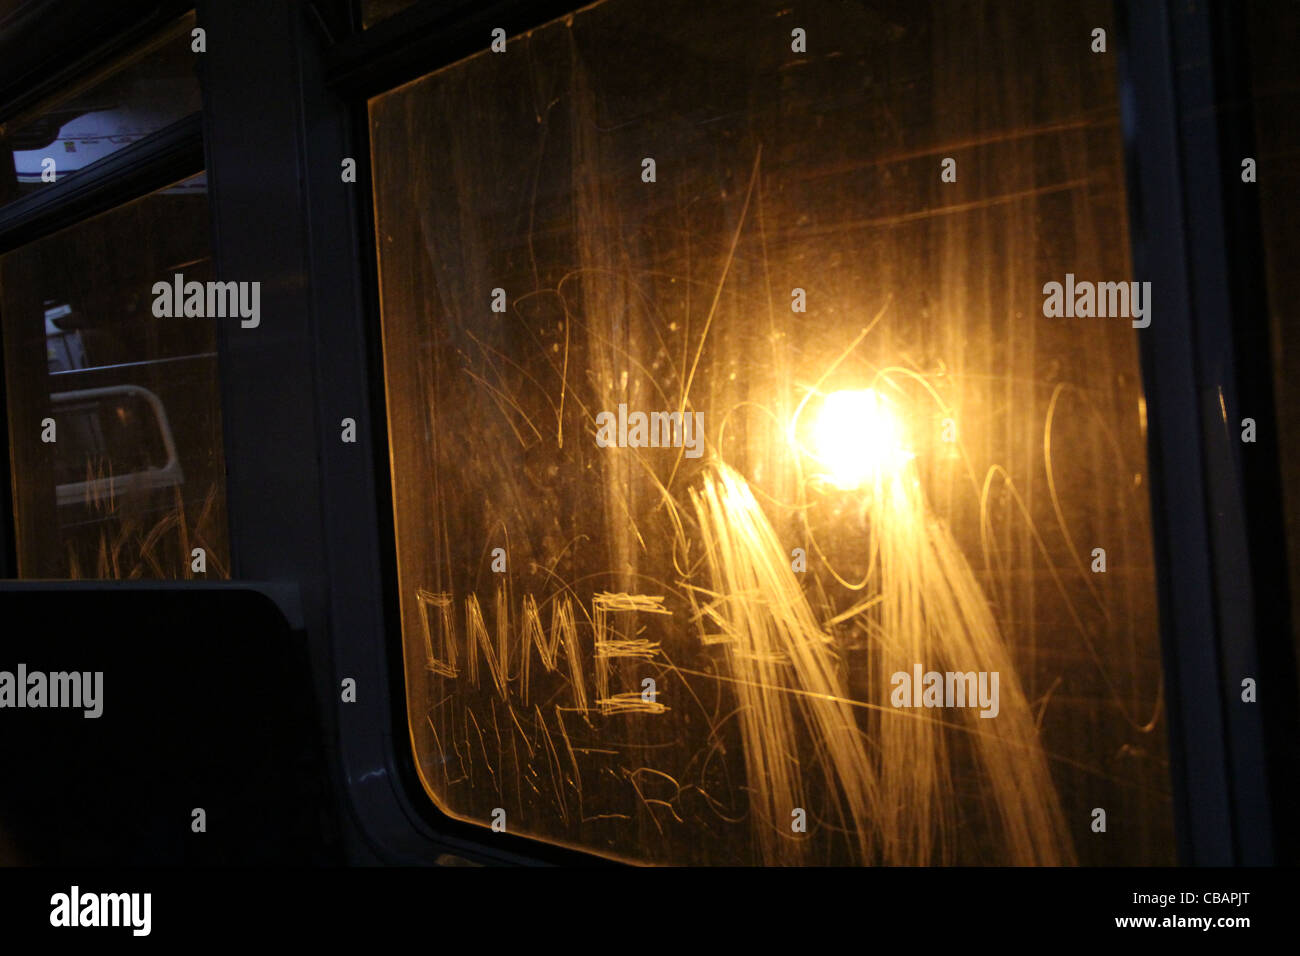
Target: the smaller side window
(114, 408)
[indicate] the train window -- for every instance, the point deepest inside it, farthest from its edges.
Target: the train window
(757, 498)
(114, 409)
(149, 89)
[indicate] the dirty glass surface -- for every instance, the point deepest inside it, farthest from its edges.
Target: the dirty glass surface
(749, 507)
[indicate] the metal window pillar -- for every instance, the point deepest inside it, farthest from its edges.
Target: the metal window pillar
(1212, 495)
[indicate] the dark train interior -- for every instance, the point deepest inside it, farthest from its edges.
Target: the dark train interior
(842, 433)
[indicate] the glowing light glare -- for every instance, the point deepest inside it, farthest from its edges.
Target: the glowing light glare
(858, 438)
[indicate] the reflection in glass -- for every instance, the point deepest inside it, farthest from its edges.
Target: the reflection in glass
(151, 88)
(114, 414)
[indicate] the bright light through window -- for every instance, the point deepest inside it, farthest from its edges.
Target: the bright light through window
(859, 438)
(745, 498)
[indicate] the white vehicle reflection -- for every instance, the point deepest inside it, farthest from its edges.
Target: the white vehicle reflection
(114, 444)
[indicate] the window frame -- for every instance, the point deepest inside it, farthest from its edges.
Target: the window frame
(1215, 503)
(1208, 539)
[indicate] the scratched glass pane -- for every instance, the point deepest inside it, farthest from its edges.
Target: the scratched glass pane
(747, 504)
